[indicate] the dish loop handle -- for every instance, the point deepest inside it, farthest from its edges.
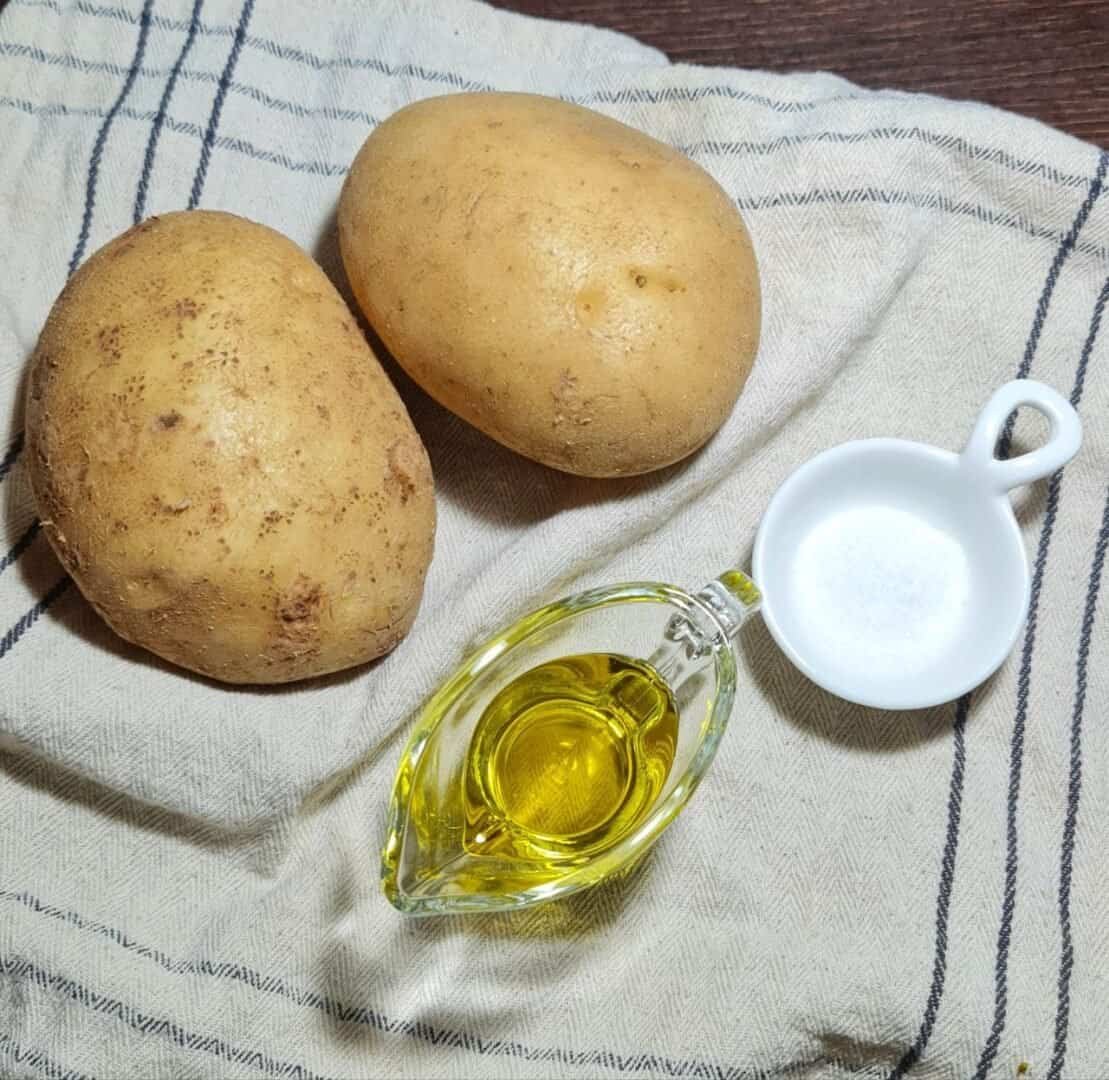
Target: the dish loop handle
(1062, 443)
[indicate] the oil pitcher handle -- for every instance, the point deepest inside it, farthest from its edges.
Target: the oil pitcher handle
(1062, 442)
(734, 598)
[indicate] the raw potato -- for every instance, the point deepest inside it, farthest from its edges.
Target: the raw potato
(219, 460)
(577, 290)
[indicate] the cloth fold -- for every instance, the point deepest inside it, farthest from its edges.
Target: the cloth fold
(188, 873)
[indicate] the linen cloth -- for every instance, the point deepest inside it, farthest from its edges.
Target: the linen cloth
(188, 873)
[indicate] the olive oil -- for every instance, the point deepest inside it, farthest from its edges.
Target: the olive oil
(526, 779)
(568, 758)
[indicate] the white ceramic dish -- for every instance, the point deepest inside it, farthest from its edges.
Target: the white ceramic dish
(893, 573)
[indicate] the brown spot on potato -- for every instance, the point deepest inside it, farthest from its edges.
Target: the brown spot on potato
(168, 420)
(590, 304)
(187, 308)
(323, 412)
(150, 593)
(270, 520)
(38, 378)
(398, 478)
(566, 388)
(300, 605)
(640, 280)
(108, 343)
(298, 620)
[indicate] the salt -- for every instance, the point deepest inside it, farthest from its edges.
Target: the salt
(881, 587)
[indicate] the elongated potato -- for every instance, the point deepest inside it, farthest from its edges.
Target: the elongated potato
(577, 290)
(219, 460)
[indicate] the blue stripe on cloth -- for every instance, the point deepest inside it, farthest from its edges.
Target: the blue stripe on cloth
(30, 617)
(947, 142)
(40, 56)
(18, 969)
(412, 1029)
(943, 898)
(20, 546)
(914, 1053)
(666, 95)
(1066, 960)
(327, 112)
(294, 108)
(248, 149)
(366, 63)
(37, 1060)
(102, 137)
(217, 104)
(922, 201)
(97, 67)
(1088, 345)
(105, 11)
(1074, 786)
(160, 116)
(799, 199)
(633, 95)
(274, 48)
(10, 456)
(976, 152)
(222, 142)
(636, 95)
(1024, 678)
(973, 151)
(1061, 257)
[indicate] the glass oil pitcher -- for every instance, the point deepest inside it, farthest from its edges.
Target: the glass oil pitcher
(563, 747)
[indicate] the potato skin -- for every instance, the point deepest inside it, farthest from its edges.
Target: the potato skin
(219, 460)
(580, 292)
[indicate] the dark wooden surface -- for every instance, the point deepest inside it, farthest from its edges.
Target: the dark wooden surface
(1043, 58)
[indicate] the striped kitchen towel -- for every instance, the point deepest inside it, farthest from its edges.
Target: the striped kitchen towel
(188, 874)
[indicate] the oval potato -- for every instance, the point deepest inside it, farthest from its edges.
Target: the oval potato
(577, 290)
(219, 460)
